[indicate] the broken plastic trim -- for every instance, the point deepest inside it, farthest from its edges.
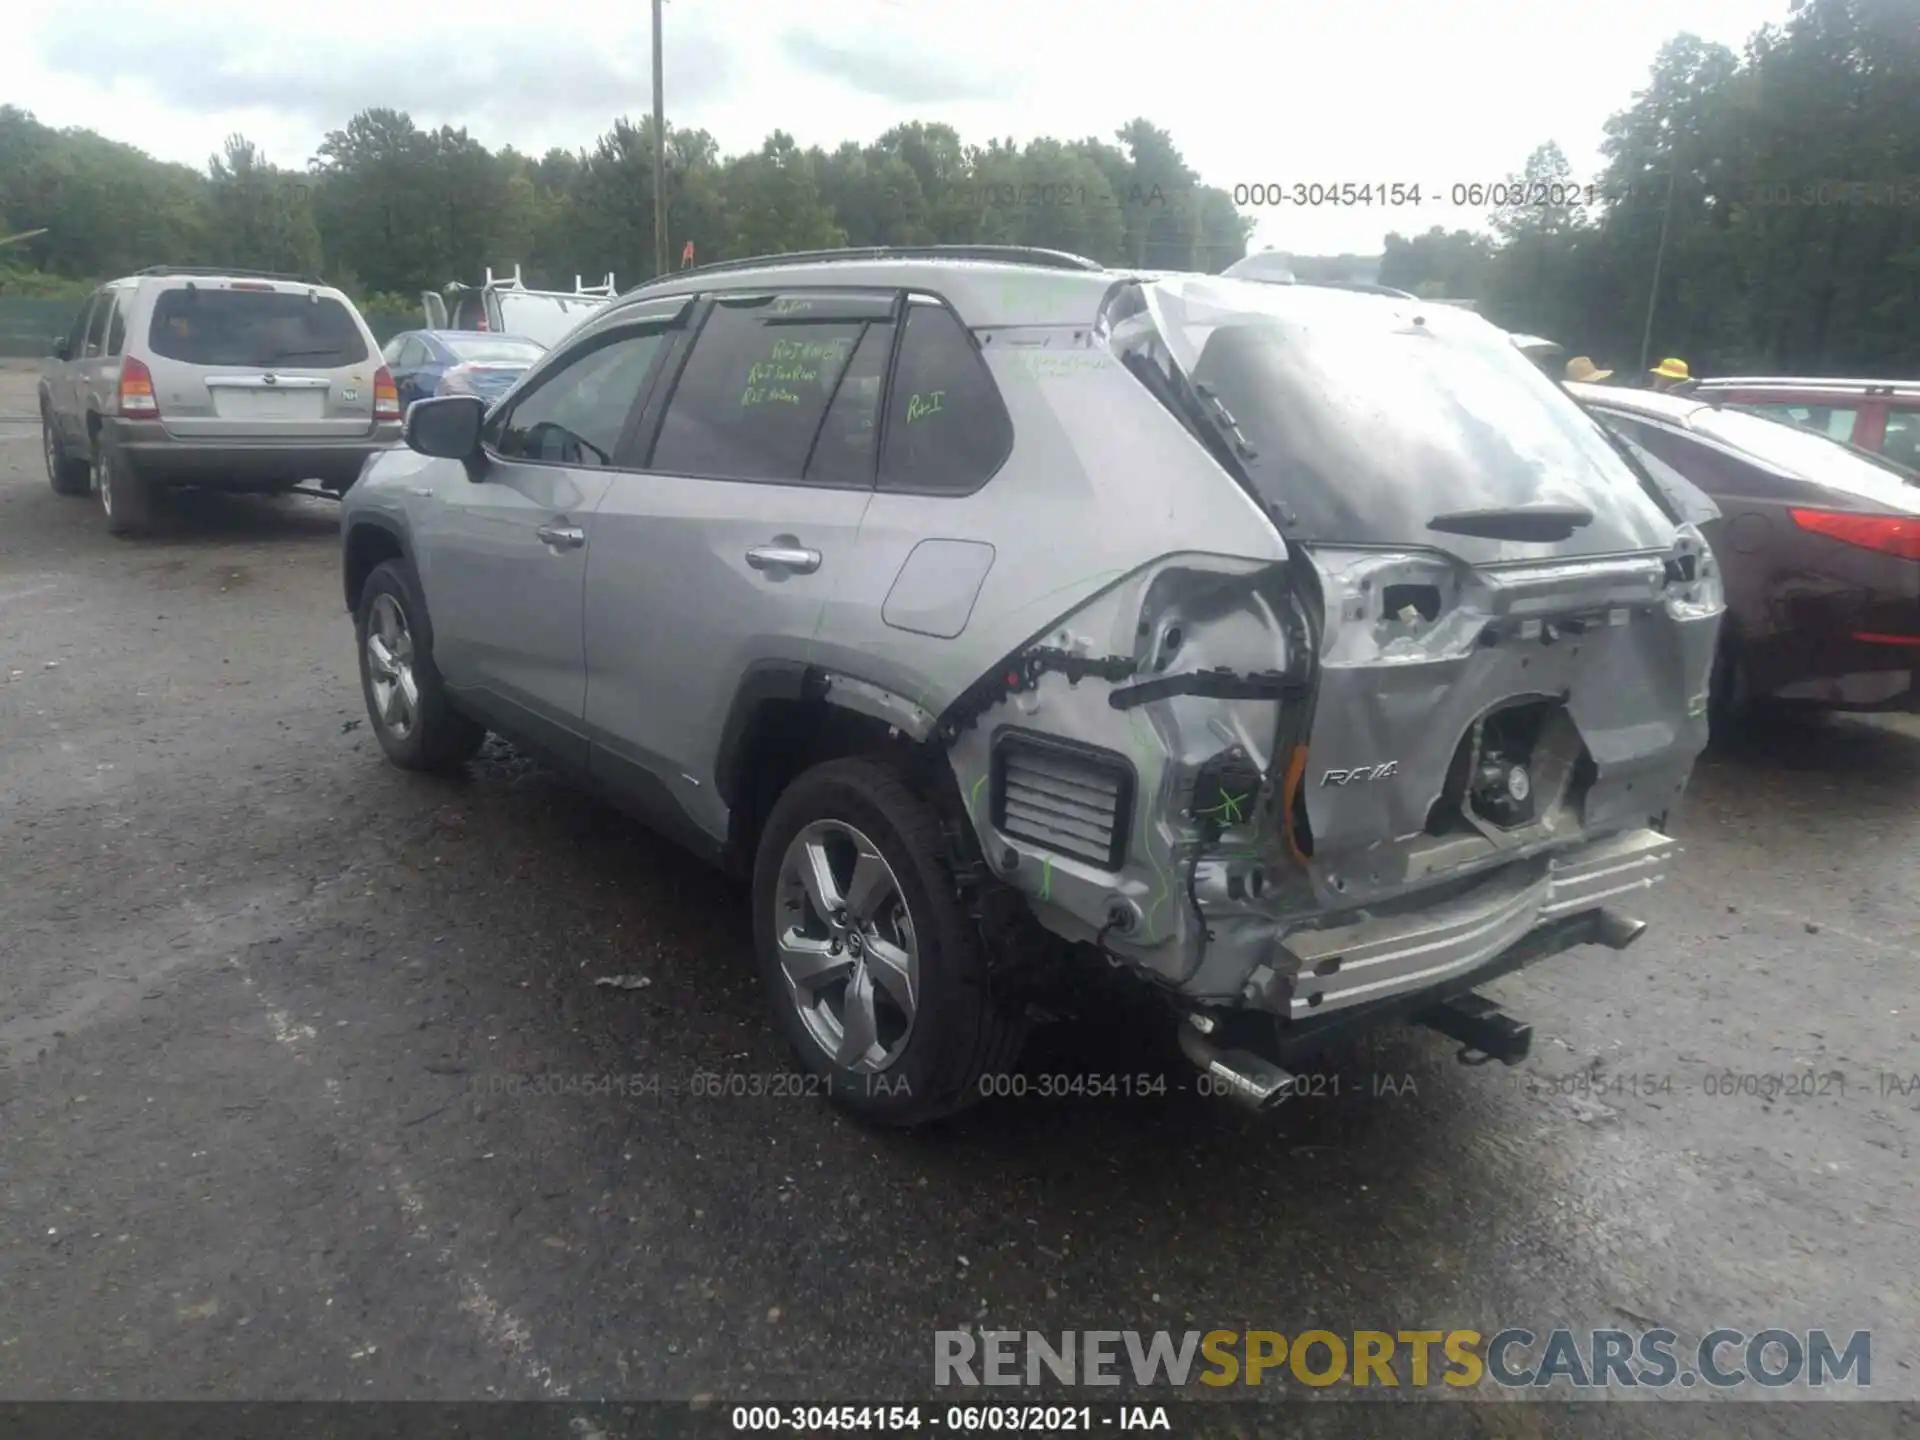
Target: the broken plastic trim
(1216, 684)
(1020, 672)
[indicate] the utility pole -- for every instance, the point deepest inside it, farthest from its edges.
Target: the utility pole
(659, 150)
(1659, 255)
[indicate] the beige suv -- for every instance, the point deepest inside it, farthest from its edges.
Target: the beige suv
(230, 379)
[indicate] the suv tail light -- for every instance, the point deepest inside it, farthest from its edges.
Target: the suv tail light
(1889, 534)
(386, 396)
(137, 400)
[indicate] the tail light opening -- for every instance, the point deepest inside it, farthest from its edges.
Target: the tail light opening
(386, 396)
(1888, 534)
(137, 400)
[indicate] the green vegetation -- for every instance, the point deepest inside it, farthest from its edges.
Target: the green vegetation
(1794, 236)
(1794, 225)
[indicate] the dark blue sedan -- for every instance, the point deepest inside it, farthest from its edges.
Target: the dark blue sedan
(457, 362)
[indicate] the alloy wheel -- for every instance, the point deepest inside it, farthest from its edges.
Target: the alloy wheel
(103, 478)
(396, 693)
(847, 946)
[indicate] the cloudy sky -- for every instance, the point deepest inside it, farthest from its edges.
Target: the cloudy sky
(1252, 91)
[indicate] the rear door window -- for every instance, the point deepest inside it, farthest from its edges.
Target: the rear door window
(255, 329)
(1902, 443)
(97, 323)
(117, 326)
(755, 392)
(845, 449)
(1836, 422)
(946, 428)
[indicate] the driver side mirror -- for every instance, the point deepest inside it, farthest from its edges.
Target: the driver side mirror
(446, 427)
(61, 349)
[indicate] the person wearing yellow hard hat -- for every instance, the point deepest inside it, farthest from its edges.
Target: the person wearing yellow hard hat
(1669, 373)
(1582, 371)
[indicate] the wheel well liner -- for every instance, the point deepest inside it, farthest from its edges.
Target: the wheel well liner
(783, 721)
(372, 540)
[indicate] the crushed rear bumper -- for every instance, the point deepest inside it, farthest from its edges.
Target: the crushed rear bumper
(1380, 957)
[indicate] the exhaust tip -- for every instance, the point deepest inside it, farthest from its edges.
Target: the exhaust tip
(1239, 1075)
(1617, 931)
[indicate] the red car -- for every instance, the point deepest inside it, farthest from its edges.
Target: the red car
(1878, 415)
(1818, 544)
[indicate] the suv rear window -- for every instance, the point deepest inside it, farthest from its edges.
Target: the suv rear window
(254, 329)
(1367, 417)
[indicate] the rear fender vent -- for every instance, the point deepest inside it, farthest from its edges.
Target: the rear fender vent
(1073, 799)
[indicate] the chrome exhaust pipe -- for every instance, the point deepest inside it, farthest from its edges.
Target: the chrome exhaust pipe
(1616, 930)
(1243, 1077)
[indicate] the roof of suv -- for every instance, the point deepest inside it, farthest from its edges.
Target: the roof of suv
(987, 290)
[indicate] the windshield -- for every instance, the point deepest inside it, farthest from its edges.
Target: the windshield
(1371, 416)
(492, 349)
(1811, 455)
(254, 329)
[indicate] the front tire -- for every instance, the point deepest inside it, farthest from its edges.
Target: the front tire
(66, 475)
(877, 977)
(407, 703)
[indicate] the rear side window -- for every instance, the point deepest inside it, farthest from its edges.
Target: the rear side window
(577, 413)
(254, 329)
(754, 394)
(1833, 421)
(117, 326)
(946, 430)
(97, 325)
(1902, 445)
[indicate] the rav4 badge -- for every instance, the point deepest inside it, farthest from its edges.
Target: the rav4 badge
(1361, 772)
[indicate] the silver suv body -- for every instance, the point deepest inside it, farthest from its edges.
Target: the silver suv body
(229, 379)
(1304, 655)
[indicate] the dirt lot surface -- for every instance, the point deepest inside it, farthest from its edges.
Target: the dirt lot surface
(274, 1014)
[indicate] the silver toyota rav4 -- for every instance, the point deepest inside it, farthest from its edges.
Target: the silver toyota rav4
(1305, 655)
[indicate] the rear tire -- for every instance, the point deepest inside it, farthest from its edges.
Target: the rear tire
(898, 1025)
(407, 705)
(65, 474)
(126, 496)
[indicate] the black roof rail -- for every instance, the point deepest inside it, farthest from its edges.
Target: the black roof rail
(237, 271)
(997, 254)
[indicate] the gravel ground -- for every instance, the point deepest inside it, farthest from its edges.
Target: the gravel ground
(265, 997)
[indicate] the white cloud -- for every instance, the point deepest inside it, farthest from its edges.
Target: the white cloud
(1367, 91)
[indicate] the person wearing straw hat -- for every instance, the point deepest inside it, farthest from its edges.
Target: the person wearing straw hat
(1582, 371)
(1669, 373)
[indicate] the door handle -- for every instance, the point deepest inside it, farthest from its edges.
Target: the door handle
(570, 537)
(784, 557)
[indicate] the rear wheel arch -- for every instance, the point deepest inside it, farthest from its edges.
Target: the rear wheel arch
(781, 724)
